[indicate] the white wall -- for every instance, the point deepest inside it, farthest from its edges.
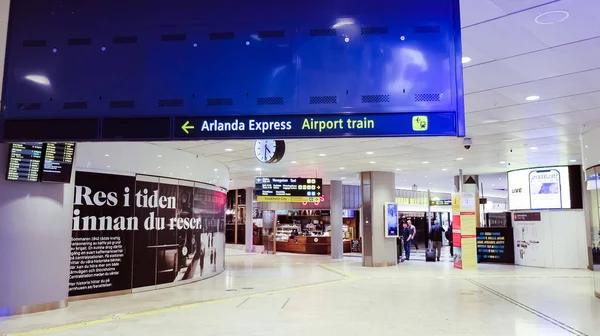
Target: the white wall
(562, 240)
(143, 158)
(35, 241)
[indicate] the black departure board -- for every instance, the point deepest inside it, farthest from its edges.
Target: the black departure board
(58, 162)
(24, 161)
(495, 245)
(291, 187)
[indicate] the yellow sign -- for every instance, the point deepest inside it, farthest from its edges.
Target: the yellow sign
(469, 253)
(420, 123)
(468, 225)
(292, 199)
(455, 204)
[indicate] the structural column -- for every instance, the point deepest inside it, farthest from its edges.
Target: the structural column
(35, 243)
(377, 189)
(335, 201)
(465, 220)
(249, 246)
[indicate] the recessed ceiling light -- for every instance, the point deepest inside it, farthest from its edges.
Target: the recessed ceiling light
(188, 167)
(533, 148)
(425, 162)
(502, 162)
(532, 98)
(466, 59)
(444, 169)
(158, 167)
(572, 160)
(372, 162)
(459, 159)
(293, 162)
(258, 169)
(552, 17)
(283, 176)
(216, 169)
(106, 155)
(322, 154)
(107, 166)
(398, 168)
(493, 185)
(159, 156)
(228, 149)
(342, 168)
(429, 183)
(425, 176)
(370, 153)
(342, 178)
(490, 121)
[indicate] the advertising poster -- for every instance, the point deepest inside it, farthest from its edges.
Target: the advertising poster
(545, 189)
(541, 188)
(469, 253)
(101, 244)
(468, 223)
(391, 220)
(163, 231)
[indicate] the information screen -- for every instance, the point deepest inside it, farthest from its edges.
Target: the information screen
(58, 162)
(495, 245)
(540, 188)
(24, 161)
(282, 189)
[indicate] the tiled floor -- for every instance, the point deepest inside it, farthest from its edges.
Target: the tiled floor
(295, 295)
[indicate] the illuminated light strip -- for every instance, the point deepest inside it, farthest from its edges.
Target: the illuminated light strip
(345, 276)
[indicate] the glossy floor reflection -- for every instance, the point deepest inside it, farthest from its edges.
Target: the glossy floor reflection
(298, 295)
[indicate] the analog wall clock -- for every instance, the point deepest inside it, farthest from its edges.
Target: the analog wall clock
(269, 151)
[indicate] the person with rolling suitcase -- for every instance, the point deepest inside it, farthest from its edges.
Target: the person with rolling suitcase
(435, 236)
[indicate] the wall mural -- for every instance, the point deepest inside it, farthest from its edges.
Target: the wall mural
(132, 232)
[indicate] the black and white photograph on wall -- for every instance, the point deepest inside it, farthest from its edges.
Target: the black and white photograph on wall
(209, 206)
(101, 252)
(136, 232)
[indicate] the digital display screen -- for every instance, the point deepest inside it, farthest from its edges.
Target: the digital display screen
(24, 161)
(539, 188)
(58, 162)
(495, 245)
(290, 187)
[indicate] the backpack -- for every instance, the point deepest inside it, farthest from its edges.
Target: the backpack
(448, 234)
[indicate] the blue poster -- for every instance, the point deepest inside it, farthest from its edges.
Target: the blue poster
(391, 220)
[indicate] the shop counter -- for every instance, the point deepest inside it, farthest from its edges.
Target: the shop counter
(309, 245)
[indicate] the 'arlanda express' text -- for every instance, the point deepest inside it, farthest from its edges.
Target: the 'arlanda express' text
(268, 126)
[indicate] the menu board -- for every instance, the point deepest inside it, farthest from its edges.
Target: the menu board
(282, 189)
(24, 161)
(495, 245)
(58, 162)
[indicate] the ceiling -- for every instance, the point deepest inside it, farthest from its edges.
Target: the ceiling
(516, 52)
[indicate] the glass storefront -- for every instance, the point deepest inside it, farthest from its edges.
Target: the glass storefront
(593, 188)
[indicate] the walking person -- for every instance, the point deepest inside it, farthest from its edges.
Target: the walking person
(413, 234)
(436, 237)
(400, 243)
(449, 238)
(406, 237)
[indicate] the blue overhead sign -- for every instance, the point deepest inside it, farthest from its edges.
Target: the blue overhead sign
(198, 70)
(328, 126)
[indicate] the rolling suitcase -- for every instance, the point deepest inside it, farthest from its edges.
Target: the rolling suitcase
(430, 254)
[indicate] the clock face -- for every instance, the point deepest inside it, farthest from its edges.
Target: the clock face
(265, 150)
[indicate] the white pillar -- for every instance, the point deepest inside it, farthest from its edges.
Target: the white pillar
(35, 243)
(249, 246)
(335, 201)
(377, 189)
